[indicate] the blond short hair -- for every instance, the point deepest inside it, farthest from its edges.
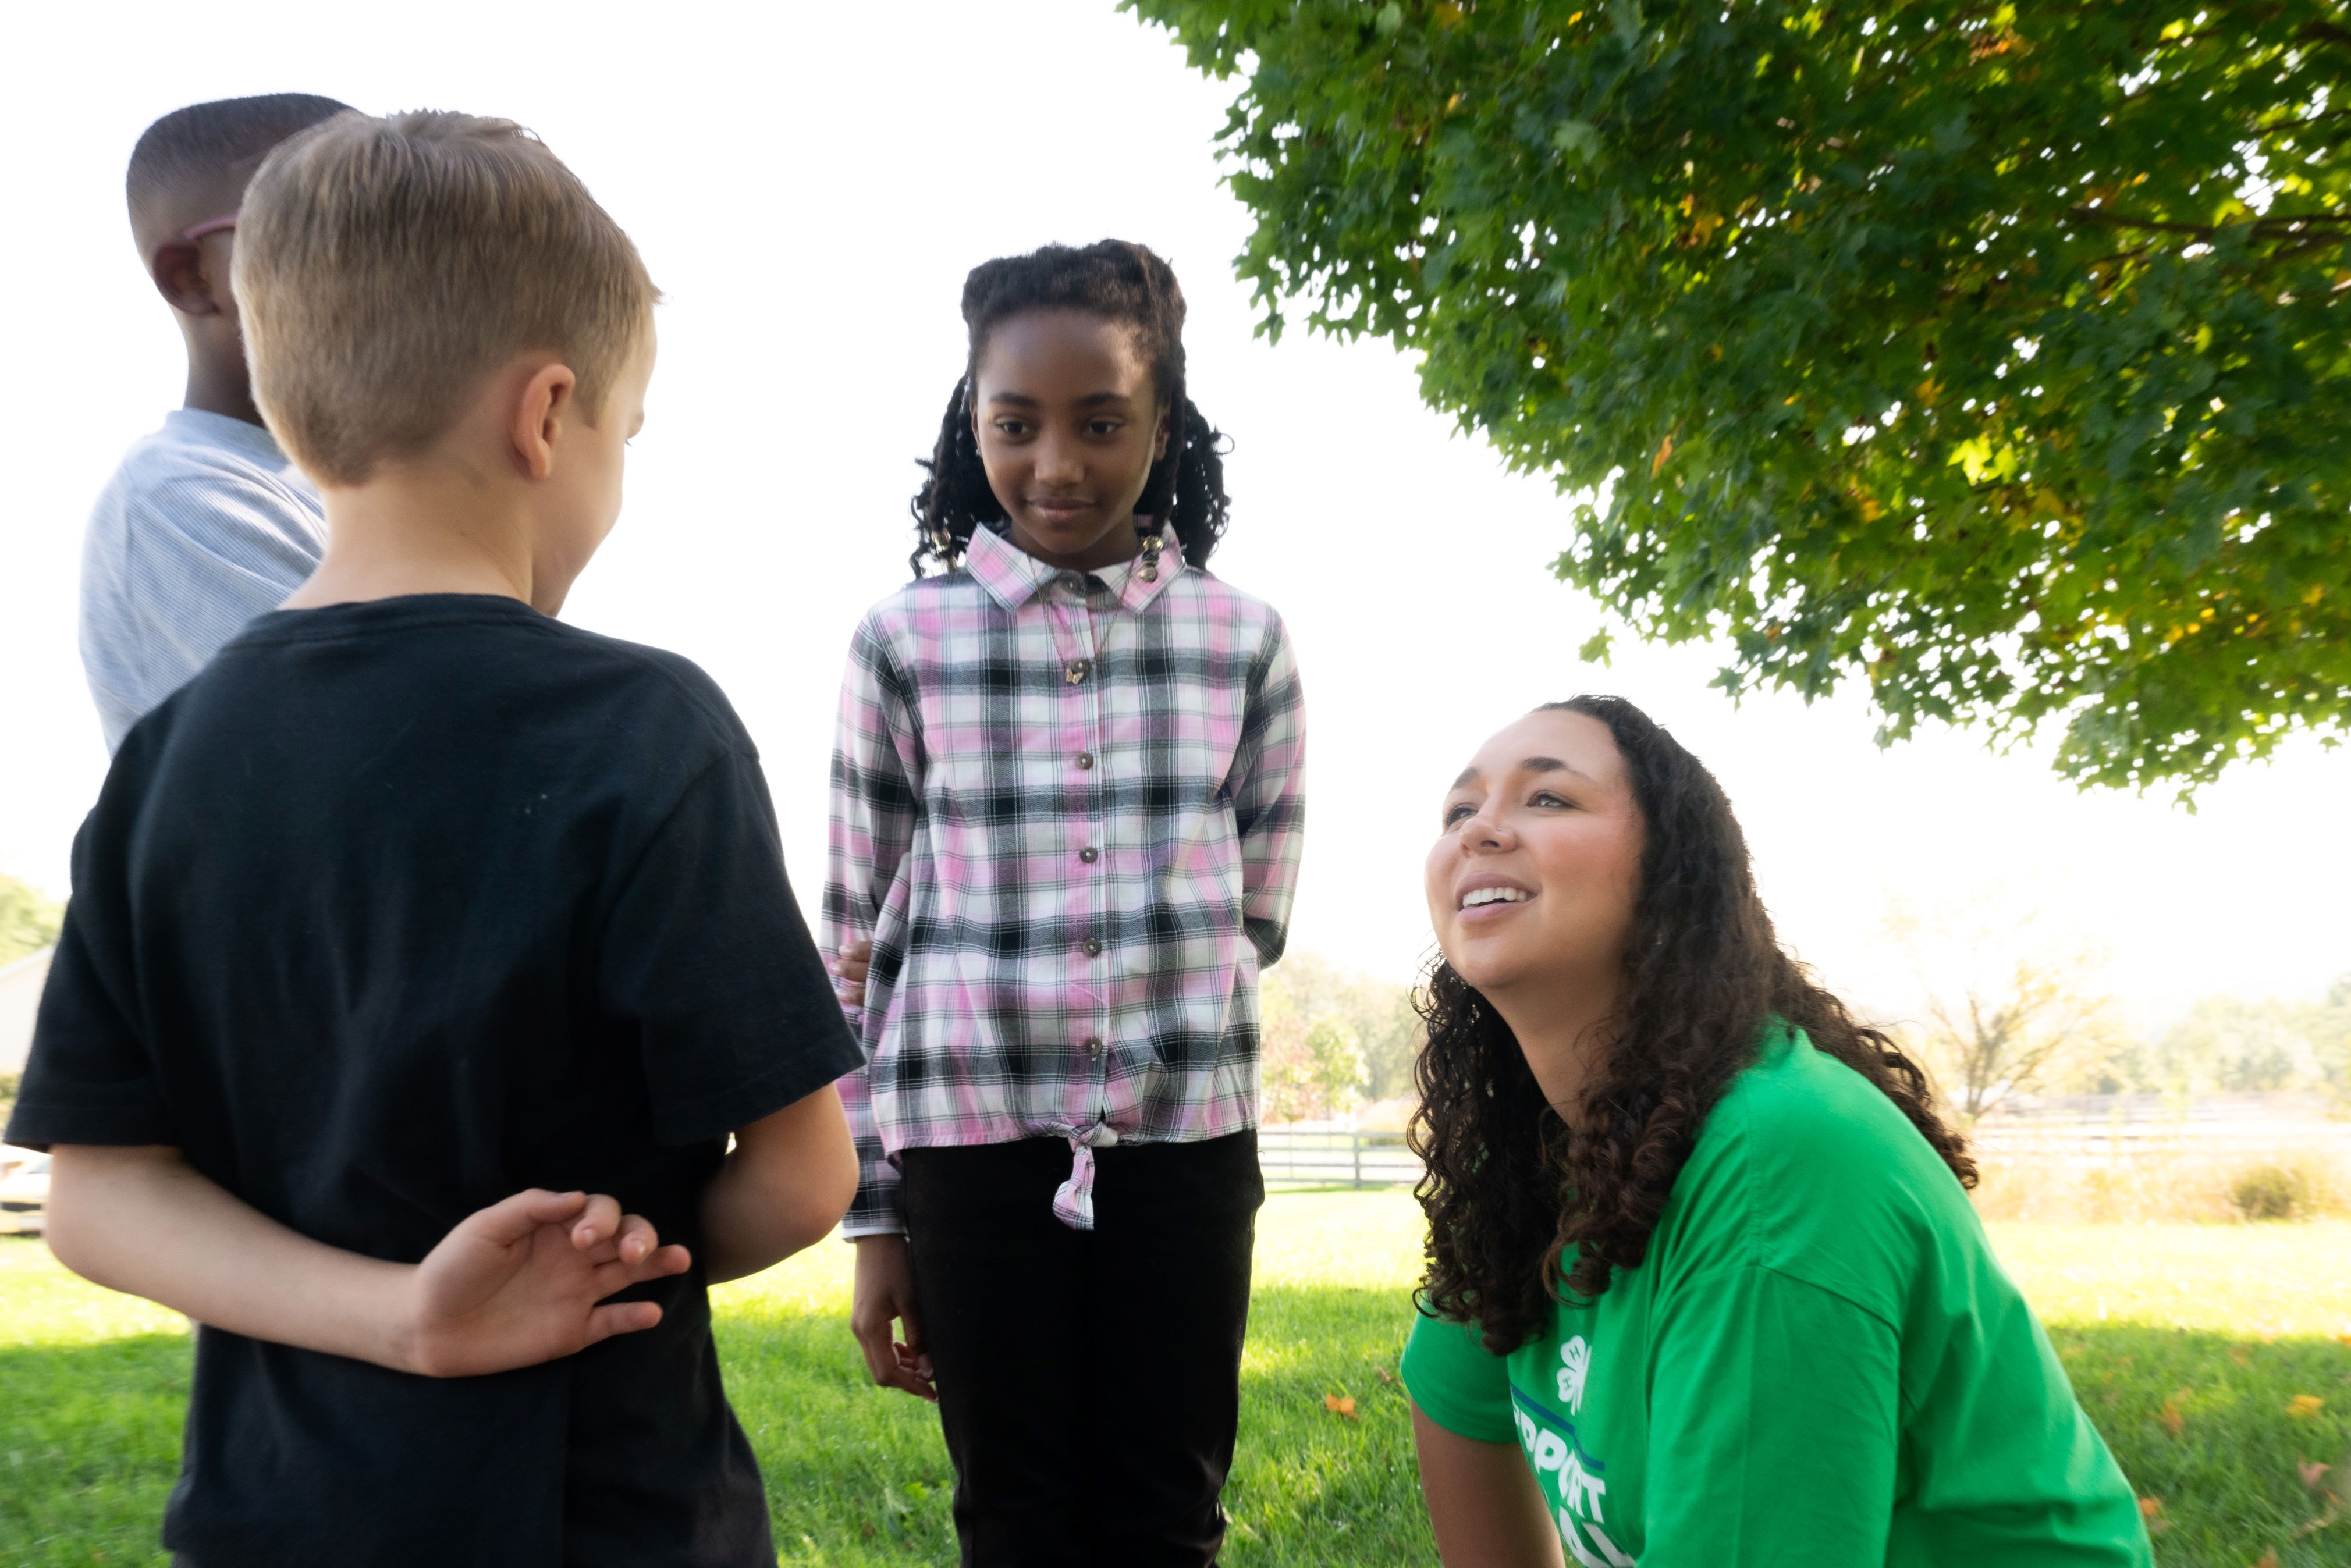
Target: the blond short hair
(385, 266)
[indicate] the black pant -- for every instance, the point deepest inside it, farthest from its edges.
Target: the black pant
(1089, 1381)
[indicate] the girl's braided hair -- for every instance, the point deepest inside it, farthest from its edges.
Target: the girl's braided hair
(1119, 281)
(1512, 1189)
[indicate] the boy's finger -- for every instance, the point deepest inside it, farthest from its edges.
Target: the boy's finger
(512, 1220)
(621, 1317)
(663, 1261)
(659, 1264)
(638, 1239)
(599, 1220)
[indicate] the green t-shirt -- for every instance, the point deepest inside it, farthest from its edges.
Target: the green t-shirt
(1819, 1362)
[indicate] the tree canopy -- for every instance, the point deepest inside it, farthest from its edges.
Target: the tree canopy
(1994, 355)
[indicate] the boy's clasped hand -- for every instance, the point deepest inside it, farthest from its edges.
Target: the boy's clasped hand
(527, 1279)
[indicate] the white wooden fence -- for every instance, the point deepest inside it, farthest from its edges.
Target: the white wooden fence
(1334, 1156)
(2096, 1127)
(2083, 1128)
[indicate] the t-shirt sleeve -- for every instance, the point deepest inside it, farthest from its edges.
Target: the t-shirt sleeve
(91, 1078)
(1457, 1382)
(1774, 1423)
(707, 957)
(186, 562)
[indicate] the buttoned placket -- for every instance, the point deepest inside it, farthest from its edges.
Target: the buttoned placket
(1069, 614)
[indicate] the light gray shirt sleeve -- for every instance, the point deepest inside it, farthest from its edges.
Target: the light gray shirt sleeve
(189, 542)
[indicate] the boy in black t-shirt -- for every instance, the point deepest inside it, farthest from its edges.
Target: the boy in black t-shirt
(419, 917)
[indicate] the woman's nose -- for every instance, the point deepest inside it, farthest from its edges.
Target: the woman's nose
(1482, 833)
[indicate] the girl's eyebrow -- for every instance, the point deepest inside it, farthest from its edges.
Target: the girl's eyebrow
(1091, 399)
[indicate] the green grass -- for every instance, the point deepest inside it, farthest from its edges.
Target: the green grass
(2226, 1324)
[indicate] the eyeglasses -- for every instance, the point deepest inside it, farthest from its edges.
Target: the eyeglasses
(209, 227)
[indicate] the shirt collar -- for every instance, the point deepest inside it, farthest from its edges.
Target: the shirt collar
(219, 430)
(1012, 576)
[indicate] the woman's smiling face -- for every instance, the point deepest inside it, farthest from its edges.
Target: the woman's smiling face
(1533, 878)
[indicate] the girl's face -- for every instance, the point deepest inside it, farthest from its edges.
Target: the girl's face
(1067, 426)
(1537, 865)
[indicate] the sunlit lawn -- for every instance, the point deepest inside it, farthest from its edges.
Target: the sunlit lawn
(2216, 1332)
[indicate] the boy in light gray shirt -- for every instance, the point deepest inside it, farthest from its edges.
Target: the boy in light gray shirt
(206, 524)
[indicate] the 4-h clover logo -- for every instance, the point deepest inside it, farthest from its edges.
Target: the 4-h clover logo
(1576, 1355)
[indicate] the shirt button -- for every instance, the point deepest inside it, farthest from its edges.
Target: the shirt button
(1094, 1045)
(1077, 670)
(1085, 761)
(1092, 947)
(1073, 583)
(1090, 854)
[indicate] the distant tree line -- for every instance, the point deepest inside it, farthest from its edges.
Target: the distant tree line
(1334, 1039)
(29, 920)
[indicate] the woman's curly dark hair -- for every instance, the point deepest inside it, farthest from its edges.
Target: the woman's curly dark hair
(1120, 281)
(1510, 1187)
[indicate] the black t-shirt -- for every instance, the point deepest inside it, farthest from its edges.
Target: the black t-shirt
(394, 910)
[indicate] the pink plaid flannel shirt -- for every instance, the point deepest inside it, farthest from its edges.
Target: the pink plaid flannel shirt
(1067, 811)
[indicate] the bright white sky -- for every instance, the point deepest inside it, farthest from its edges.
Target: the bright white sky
(809, 184)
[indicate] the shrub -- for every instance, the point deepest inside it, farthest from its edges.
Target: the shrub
(2269, 1191)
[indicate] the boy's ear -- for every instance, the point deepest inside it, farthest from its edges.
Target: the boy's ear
(548, 401)
(183, 280)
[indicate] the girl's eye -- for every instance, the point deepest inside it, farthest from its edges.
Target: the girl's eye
(1013, 427)
(1105, 426)
(1545, 798)
(1460, 811)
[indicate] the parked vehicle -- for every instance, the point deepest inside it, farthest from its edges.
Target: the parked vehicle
(24, 1189)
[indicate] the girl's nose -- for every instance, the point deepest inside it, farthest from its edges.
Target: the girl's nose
(1059, 463)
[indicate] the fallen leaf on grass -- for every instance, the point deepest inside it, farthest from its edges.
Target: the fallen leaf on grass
(2303, 1406)
(2240, 1355)
(2150, 1508)
(2313, 1472)
(2173, 1417)
(2269, 1560)
(1390, 1378)
(1339, 1406)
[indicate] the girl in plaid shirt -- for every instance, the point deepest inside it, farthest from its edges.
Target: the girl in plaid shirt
(1066, 808)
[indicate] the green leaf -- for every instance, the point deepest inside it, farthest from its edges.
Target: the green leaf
(1576, 137)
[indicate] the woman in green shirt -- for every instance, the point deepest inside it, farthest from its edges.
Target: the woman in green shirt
(1704, 1287)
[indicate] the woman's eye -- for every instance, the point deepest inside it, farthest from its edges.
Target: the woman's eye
(1545, 798)
(1459, 811)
